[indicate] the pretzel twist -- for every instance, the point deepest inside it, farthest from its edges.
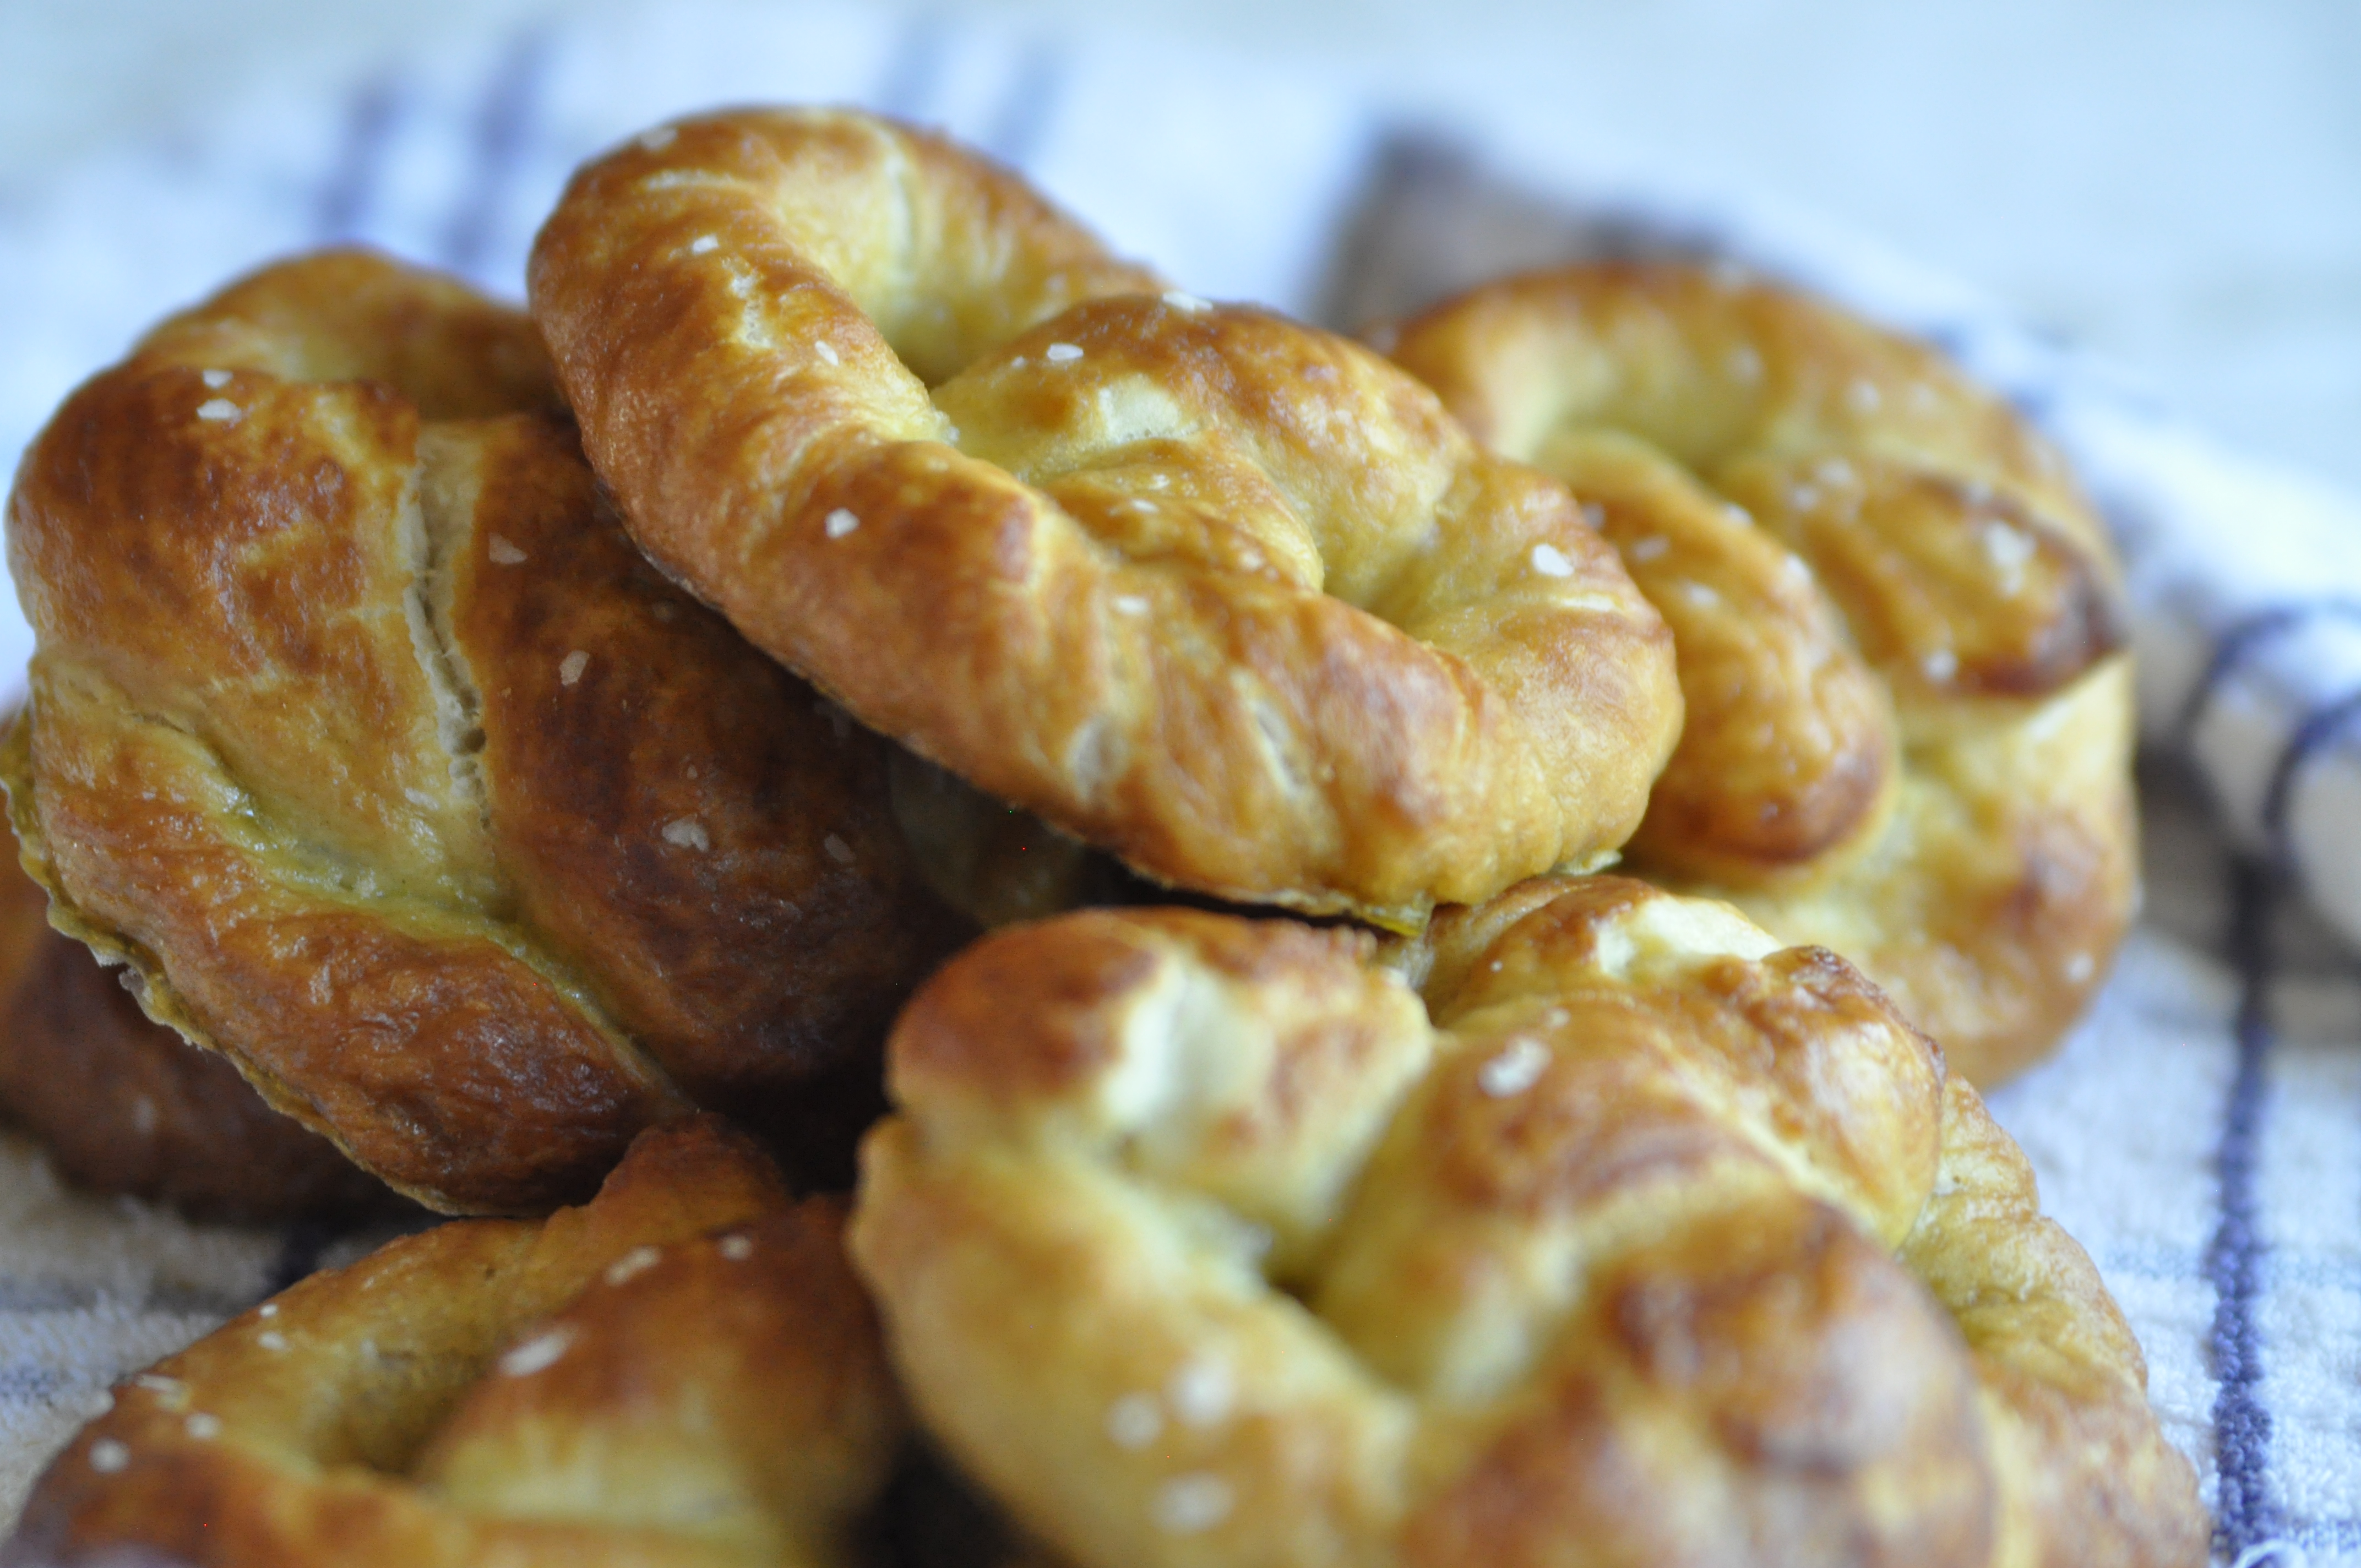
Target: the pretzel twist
(1227, 595)
(359, 731)
(1909, 714)
(1630, 1237)
(618, 1384)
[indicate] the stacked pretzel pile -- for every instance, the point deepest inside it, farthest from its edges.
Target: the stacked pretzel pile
(512, 741)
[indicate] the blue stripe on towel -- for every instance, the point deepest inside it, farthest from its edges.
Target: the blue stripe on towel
(2234, 1262)
(501, 129)
(1022, 124)
(371, 115)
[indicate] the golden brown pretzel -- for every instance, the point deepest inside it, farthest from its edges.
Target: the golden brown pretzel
(615, 1385)
(1909, 716)
(359, 729)
(1627, 1238)
(128, 1106)
(1227, 595)
(123, 1104)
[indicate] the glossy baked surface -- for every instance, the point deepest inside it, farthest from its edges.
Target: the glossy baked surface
(358, 728)
(1226, 595)
(1910, 715)
(1624, 1235)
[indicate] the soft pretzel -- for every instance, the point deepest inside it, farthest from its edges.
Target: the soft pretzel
(1910, 718)
(360, 732)
(1226, 595)
(618, 1385)
(1626, 1237)
(125, 1105)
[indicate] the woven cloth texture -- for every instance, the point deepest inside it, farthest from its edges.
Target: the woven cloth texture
(2201, 1133)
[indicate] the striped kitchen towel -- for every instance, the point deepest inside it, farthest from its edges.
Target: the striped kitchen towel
(2201, 1135)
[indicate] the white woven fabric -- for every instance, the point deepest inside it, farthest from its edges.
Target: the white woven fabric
(2201, 1135)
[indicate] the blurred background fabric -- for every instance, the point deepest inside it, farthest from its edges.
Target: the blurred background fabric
(2142, 222)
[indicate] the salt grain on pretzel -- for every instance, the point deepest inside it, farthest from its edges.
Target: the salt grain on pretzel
(1227, 595)
(1909, 711)
(1627, 1237)
(359, 731)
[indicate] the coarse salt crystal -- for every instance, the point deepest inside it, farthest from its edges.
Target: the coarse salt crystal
(107, 1456)
(1134, 1422)
(1745, 363)
(1180, 300)
(2006, 548)
(737, 1249)
(2078, 968)
(537, 1355)
(1648, 549)
(1130, 604)
(1940, 665)
(826, 351)
(1201, 1392)
(687, 833)
(218, 409)
(1551, 562)
(1862, 397)
(704, 245)
(268, 1310)
(659, 138)
(204, 1426)
(216, 380)
(271, 1339)
(1189, 1504)
(637, 1261)
(570, 668)
(838, 849)
(1514, 1070)
(1699, 595)
(504, 553)
(840, 522)
(1062, 353)
(163, 1387)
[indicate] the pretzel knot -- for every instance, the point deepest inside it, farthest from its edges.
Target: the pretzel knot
(683, 1371)
(1629, 1237)
(1228, 596)
(1909, 716)
(360, 732)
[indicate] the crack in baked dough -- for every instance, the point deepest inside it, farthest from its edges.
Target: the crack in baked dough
(1630, 1236)
(481, 846)
(437, 522)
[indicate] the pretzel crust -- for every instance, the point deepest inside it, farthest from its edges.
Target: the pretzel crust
(1227, 595)
(616, 1386)
(122, 1104)
(360, 732)
(1909, 708)
(1629, 1237)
